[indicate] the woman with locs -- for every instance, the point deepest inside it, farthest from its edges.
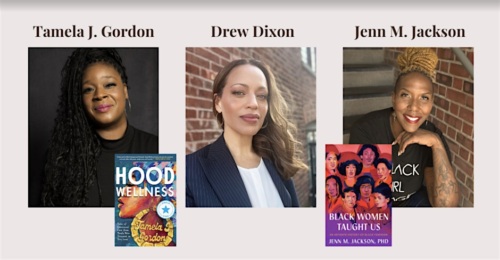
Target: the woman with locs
(90, 128)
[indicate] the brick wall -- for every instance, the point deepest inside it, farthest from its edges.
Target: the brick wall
(294, 80)
(453, 113)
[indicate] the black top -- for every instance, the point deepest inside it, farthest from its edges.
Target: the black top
(133, 141)
(407, 169)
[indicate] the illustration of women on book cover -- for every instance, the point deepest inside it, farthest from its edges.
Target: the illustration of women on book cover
(358, 194)
(145, 200)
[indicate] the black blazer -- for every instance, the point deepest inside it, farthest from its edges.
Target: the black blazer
(213, 179)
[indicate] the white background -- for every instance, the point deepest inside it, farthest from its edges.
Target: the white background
(247, 233)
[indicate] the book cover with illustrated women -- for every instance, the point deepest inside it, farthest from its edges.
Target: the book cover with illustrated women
(358, 195)
(145, 200)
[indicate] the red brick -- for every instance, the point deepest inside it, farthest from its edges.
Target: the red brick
(463, 165)
(453, 146)
(458, 83)
(208, 74)
(200, 103)
(207, 55)
(471, 159)
(451, 133)
(456, 96)
(195, 81)
(441, 90)
(206, 114)
(453, 121)
(215, 67)
(212, 135)
(205, 93)
(197, 124)
(443, 79)
(207, 84)
(439, 114)
(445, 53)
(444, 66)
(190, 113)
(460, 176)
(469, 101)
(193, 69)
(467, 129)
(454, 109)
(442, 103)
(221, 52)
(458, 70)
(464, 154)
(194, 136)
(194, 59)
(465, 141)
(469, 87)
(440, 125)
(191, 91)
(469, 183)
(467, 115)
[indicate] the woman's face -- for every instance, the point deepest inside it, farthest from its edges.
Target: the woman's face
(331, 162)
(365, 190)
(104, 95)
(382, 171)
(412, 101)
(131, 205)
(332, 187)
(350, 171)
(380, 200)
(350, 199)
(368, 157)
(243, 102)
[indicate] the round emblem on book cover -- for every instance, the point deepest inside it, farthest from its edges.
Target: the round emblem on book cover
(165, 209)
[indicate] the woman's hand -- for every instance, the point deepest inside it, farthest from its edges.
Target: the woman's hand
(440, 179)
(421, 137)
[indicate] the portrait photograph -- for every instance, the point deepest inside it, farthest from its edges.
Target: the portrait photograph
(251, 127)
(85, 106)
(420, 100)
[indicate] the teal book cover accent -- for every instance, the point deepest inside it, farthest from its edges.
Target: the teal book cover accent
(145, 200)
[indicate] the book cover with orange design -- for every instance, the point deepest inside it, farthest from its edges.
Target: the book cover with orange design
(145, 200)
(358, 195)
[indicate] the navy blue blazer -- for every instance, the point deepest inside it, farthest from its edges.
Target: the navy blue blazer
(213, 179)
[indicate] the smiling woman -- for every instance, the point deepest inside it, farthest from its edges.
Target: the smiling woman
(422, 172)
(252, 163)
(91, 126)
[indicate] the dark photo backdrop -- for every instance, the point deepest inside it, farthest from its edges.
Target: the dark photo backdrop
(44, 83)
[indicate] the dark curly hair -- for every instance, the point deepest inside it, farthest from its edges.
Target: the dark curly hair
(343, 165)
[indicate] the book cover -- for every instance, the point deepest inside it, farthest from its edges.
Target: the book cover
(358, 194)
(145, 200)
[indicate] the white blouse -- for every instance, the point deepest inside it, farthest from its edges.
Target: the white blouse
(260, 187)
